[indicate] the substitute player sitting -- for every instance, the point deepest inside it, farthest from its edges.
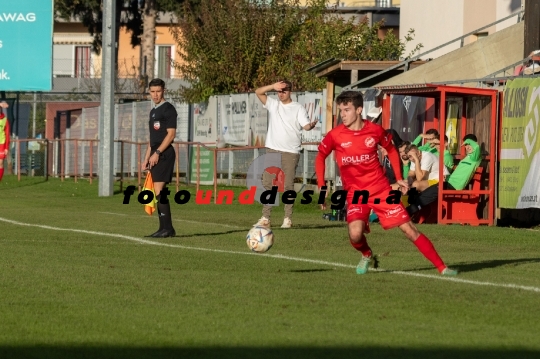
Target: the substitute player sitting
(355, 144)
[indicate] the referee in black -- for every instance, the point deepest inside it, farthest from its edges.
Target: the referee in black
(160, 155)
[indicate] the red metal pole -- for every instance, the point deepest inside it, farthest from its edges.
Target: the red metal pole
(442, 124)
(493, 161)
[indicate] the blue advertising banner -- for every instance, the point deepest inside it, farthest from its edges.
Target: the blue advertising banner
(26, 30)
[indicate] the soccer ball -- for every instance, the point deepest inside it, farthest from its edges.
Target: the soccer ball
(260, 239)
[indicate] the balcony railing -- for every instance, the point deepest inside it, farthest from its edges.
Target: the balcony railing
(91, 69)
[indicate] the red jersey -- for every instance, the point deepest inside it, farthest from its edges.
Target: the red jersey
(357, 157)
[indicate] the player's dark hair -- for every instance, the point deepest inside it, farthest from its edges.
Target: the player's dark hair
(289, 85)
(157, 82)
(445, 139)
(432, 131)
(409, 147)
(404, 144)
(354, 97)
(470, 136)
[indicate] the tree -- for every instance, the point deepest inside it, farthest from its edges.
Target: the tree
(232, 46)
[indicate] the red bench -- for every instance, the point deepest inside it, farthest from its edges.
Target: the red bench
(463, 204)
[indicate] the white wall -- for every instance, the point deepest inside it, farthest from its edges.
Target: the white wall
(438, 21)
(434, 21)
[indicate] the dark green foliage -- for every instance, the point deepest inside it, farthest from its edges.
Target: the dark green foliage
(231, 46)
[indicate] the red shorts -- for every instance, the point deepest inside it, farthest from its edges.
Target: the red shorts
(390, 215)
(3, 147)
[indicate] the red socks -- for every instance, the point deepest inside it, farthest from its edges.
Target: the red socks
(362, 247)
(425, 246)
(1, 173)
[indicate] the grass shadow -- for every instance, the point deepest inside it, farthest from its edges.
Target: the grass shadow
(488, 264)
(296, 352)
(310, 270)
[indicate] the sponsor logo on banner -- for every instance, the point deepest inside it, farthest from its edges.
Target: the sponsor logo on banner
(15, 17)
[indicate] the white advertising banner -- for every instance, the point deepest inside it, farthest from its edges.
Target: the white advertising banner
(258, 124)
(205, 121)
(314, 103)
(234, 119)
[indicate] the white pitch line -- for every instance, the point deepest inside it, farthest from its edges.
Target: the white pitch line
(276, 256)
(116, 214)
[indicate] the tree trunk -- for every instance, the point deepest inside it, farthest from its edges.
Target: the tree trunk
(148, 43)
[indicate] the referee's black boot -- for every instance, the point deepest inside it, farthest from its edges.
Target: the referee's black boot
(161, 222)
(165, 220)
(165, 233)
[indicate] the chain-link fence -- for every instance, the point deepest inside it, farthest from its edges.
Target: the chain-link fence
(77, 159)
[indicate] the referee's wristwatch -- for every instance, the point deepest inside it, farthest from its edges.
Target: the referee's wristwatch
(158, 152)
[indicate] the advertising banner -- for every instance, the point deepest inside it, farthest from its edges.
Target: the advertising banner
(519, 171)
(26, 30)
(258, 123)
(206, 163)
(314, 103)
(233, 116)
(205, 121)
(451, 127)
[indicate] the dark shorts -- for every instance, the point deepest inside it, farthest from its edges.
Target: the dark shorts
(163, 170)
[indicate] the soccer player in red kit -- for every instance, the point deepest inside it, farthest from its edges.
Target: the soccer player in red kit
(355, 143)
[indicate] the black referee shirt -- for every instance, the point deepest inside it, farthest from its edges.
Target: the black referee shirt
(162, 117)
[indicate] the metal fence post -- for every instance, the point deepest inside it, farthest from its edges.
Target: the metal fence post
(46, 166)
(83, 144)
(121, 166)
(231, 168)
(305, 167)
(133, 137)
(67, 143)
(116, 144)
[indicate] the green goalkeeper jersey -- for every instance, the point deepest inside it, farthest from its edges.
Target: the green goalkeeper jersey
(466, 167)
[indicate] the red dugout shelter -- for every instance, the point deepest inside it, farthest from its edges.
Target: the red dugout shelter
(459, 206)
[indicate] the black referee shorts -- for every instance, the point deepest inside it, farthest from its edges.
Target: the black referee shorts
(163, 170)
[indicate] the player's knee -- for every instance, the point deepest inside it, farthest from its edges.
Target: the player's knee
(355, 234)
(410, 231)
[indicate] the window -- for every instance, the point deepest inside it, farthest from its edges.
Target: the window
(82, 61)
(164, 62)
(383, 3)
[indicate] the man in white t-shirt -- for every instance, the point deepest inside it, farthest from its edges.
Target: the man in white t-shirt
(424, 170)
(286, 119)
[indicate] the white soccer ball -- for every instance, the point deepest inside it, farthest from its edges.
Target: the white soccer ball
(260, 239)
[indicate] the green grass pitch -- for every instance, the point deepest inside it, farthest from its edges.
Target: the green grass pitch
(79, 280)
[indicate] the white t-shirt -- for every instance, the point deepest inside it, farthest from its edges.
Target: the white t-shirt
(285, 124)
(430, 163)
